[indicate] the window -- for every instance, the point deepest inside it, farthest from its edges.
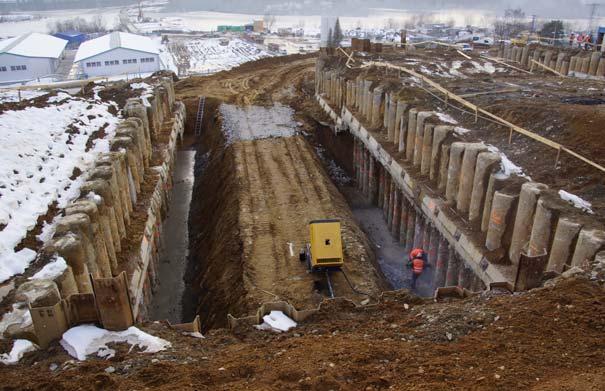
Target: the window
(17, 68)
(98, 63)
(107, 63)
(147, 59)
(2, 69)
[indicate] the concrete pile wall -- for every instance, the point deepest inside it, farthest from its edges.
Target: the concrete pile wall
(583, 64)
(449, 196)
(91, 234)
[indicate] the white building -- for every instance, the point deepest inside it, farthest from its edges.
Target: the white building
(118, 54)
(30, 56)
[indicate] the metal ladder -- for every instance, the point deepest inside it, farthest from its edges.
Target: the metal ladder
(200, 116)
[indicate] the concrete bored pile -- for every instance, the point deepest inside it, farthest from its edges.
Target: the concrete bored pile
(480, 225)
(108, 278)
(562, 62)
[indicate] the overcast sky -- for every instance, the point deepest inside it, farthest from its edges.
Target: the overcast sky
(542, 8)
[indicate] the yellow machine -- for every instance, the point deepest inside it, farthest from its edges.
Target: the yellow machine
(324, 253)
(326, 244)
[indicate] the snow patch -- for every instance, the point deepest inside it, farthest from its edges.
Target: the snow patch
(208, 56)
(13, 95)
(576, 201)
(508, 168)
(41, 147)
(18, 315)
(460, 130)
(276, 321)
(51, 270)
(82, 341)
(20, 347)
(256, 122)
(447, 118)
(13, 263)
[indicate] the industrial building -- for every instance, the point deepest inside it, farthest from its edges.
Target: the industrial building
(30, 56)
(118, 53)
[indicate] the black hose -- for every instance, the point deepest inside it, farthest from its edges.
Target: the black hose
(353, 288)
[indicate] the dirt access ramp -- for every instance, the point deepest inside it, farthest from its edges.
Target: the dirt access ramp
(262, 185)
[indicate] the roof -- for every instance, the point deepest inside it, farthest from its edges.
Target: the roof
(115, 40)
(34, 45)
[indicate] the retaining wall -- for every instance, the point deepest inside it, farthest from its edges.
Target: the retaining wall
(587, 64)
(109, 279)
(479, 226)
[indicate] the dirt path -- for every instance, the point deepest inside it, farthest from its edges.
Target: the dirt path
(283, 188)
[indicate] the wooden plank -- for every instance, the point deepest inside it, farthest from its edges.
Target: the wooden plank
(464, 54)
(547, 68)
(504, 91)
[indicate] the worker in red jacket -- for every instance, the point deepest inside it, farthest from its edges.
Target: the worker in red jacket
(417, 261)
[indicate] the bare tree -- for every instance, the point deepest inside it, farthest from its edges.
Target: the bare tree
(269, 20)
(392, 24)
(95, 25)
(513, 23)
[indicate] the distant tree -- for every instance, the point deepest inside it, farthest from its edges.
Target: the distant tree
(392, 24)
(337, 36)
(269, 21)
(330, 42)
(95, 25)
(513, 23)
(553, 29)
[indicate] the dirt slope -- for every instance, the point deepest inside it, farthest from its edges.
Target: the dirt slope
(549, 339)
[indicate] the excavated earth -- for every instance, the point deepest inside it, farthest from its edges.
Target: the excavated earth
(546, 339)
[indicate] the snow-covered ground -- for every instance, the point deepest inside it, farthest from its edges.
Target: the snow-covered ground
(209, 56)
(41, 148)
(16, 96)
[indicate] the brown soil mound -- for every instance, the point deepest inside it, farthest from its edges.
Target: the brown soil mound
(547, 339)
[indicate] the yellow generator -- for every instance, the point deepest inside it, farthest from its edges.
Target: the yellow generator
(324, 253)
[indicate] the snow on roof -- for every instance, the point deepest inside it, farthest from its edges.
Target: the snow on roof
(34, 45)
(115, 40)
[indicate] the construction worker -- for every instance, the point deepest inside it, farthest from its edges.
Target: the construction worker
(572, 39)
(588, 42)
(417, 261)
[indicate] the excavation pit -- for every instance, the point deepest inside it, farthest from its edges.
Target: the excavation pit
(258, 184)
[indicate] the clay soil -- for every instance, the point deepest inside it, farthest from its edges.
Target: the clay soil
(256, 198)
(547, 339)
(565, 110)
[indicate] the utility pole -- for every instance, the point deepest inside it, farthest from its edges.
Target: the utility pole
(593, 13)
(533, 24)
